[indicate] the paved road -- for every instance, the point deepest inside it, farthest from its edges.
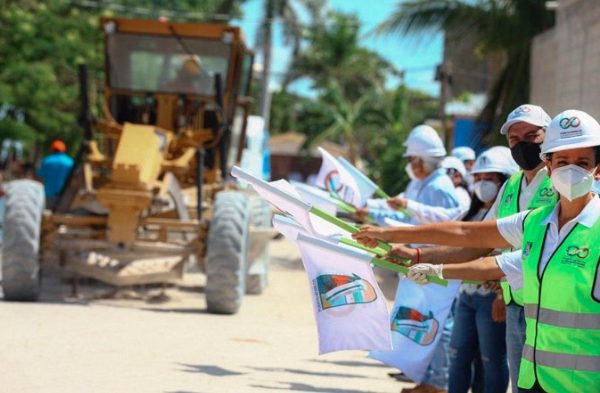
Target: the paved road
(170, 345)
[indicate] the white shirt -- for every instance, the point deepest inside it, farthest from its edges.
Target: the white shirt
(464, 198)
(511, 229)
(527, 192)
(427, 214)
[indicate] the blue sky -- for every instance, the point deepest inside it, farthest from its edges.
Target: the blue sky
(418, 56)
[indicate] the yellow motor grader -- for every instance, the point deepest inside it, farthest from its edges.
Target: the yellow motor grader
(147, 194)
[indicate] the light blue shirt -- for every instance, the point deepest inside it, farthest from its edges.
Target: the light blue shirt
(54, 171)
(435, 190)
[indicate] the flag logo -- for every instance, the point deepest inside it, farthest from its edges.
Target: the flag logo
(336, 290)
(416, 326)
(332, 182)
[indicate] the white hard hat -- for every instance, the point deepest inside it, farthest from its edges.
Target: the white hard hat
(424, 141)
(495, 159)
(454, 163)
(531, 114)
(463, 153)
(571, 129)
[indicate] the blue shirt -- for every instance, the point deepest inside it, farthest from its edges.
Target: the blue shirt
(54, 171)
(436, 189)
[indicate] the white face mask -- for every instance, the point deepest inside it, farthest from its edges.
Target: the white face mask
(572, 181)
(409, 171)
(486, 190)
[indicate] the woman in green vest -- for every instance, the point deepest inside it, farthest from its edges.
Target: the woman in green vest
(558, 266)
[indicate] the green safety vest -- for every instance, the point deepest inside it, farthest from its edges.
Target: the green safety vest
(562, 344)
(509, 205)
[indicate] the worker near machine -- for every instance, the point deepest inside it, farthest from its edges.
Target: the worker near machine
(54, 171)
(558, 265)
(191, 78)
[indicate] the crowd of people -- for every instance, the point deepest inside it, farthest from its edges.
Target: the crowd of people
(522, 221)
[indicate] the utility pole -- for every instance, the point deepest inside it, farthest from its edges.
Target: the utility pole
(443, 74)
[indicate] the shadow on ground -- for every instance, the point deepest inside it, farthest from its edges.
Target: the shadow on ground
(303, 387)
(306, 372)
(213, 371)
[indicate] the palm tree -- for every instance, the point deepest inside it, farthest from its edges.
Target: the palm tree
(284, 11)
(501, 26)
(334, 53)
(348, 117)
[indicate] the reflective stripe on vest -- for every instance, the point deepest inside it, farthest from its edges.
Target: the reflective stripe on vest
(562, 360)
(562, 315)
(509, 205)
(562, 318)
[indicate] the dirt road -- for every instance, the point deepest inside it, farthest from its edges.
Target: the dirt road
(170, 344)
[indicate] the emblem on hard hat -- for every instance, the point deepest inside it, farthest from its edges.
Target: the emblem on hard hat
(568, 122)
(520, 110)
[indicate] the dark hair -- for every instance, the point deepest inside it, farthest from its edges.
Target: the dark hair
(477, 204)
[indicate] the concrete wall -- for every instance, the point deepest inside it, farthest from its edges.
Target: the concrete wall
(566, 60)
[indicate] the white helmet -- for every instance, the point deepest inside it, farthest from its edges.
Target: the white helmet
(424, 141)
(531, 114)
(495, 159)
(571, 129)
(454, 163)
(463, 153)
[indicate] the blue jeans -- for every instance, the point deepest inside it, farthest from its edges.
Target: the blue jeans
(437, 372)
(474, 328)
(515, 340)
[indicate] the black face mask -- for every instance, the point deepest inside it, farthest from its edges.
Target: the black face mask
(526, 154)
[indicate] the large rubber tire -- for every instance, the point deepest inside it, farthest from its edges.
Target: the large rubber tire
(225, 261)
(261, 215)
(23, 210)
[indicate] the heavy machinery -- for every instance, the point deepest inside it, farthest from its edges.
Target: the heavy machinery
(147, 194)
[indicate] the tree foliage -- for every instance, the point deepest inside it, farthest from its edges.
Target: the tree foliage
(41, 45)
(501, 26)
(353, 107)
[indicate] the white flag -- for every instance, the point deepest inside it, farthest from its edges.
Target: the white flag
(417, 322)
(329, 177)
(350, 309)
(366, 187)
(336, 179)
(284, 196)
(317, 197)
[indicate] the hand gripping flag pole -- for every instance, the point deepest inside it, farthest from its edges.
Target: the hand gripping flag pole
(291, 229)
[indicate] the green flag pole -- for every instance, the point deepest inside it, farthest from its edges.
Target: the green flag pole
(383, 194)
(353, 243)
(403, 269)
(344, 225)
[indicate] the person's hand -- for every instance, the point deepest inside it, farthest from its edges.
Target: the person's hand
(498, 309)
(368, 235)
(492, 286)
(418, 273)
(361, 214)
(400, 253)
(397, 203)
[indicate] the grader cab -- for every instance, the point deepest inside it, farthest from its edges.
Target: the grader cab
(147, 196)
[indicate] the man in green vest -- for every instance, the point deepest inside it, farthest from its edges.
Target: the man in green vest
(526, 189)
(559, 265)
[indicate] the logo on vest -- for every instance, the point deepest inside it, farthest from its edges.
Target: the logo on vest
(576, 256)
(547, 192)
(526, 250)
(508, 199)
